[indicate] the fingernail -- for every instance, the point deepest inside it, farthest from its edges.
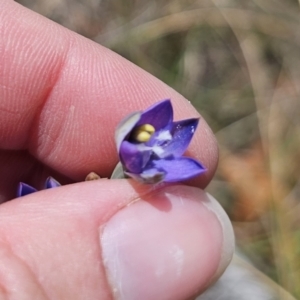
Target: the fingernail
(228, 244)
(167, 245)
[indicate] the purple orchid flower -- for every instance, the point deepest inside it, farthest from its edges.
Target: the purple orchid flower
(26, 189)
(151, 145)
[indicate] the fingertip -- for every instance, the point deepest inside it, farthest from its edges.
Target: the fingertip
(166, 245)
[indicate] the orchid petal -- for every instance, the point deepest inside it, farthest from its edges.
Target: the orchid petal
(159, 115)
(150, 176)
(125, 127)
(182, 133)
(51, 183)
(178, 169)
(133, 158)
(25, 189)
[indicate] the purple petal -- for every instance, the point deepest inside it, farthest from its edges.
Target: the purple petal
(159, 115)
(182, 133)
(178, 169)
(51, 183)
(150, 176)
(25, 189)
(133, 158)
(125, 126)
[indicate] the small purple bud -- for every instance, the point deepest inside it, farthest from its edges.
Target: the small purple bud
(51, 183)
(26, 189)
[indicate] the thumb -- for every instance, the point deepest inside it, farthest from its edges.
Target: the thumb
(112, 239)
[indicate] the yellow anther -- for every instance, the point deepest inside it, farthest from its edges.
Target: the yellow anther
(143, 133)
(142, 136)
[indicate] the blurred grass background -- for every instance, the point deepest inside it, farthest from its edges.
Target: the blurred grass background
(238, 62)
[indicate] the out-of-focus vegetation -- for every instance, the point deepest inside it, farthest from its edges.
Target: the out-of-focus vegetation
(238, 61)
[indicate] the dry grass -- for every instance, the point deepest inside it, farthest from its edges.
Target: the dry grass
(239, 63)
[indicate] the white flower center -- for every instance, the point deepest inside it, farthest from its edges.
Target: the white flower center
(164, 136)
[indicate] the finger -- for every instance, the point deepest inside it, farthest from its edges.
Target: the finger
(94, 239)
(63, 95)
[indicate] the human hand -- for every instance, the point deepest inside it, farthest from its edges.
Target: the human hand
(61, 99)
